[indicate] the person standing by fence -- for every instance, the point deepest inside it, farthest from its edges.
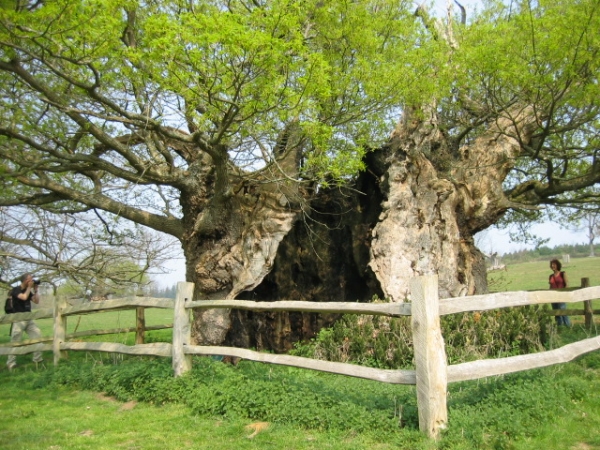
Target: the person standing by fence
(22, 296)
(558, 280)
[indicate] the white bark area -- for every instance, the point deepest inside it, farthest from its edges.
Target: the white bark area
(258, 248)
(417, 233)
(433, 210)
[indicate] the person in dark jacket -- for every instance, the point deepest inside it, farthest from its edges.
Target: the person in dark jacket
(22, 296)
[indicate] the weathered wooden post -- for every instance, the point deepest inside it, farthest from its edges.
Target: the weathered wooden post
(140, 325)
(182, 363)
(60, 329)
(588, 312)
(430, 355)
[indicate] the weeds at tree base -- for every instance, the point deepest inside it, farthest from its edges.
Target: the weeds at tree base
(384, 342)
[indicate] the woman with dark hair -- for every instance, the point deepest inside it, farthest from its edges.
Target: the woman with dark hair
(558, 280)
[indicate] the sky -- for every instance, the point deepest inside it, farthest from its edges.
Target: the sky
(441, 6)
(494, 240)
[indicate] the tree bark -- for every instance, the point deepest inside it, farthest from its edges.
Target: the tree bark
(237, 222)
(438, 196)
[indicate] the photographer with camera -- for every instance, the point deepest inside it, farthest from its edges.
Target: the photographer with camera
(22, 296)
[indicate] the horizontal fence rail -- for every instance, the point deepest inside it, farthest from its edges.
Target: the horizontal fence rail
(517, 298)
(432, 373)
(353, 370)
(376, 309)
(488, 367)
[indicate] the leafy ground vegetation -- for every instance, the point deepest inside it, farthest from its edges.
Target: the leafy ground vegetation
(98, 401)
(387, 343)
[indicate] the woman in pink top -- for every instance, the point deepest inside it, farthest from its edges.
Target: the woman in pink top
(558, 280)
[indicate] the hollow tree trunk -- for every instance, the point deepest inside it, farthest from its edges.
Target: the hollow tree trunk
(413, 211)
(323, 258)
(225, 267)
(236, 223)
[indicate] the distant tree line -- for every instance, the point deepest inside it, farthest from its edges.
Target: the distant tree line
(163, 292)
(544, 252)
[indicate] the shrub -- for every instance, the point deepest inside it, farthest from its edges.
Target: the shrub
(386, 342)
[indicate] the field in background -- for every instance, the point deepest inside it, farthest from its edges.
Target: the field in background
(533, 276)
(104, 321)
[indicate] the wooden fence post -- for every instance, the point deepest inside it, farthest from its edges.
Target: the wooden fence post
(588, 312)
(182, 363)
(430, 355)
(60, 329)
(140, 325)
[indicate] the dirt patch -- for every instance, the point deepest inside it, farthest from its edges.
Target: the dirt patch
(257, 427)
(128, 406)
(106, 398)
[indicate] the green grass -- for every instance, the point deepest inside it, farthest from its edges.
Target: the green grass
(105, 321)
(533, 276)
(41, 412)
(100, 401)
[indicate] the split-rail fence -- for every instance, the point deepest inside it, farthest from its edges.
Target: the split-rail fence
(432, 372)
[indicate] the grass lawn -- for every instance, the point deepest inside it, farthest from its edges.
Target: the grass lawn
(533, 276)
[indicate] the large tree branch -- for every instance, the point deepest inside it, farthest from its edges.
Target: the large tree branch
(533, 192)
(64, 162)
(169, 225)
(143, 122)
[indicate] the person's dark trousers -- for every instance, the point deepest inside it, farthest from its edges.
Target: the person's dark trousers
(561, 320)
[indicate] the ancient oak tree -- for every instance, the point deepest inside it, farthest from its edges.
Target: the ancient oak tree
(300, 149)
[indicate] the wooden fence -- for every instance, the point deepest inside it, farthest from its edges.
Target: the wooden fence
(432, 373)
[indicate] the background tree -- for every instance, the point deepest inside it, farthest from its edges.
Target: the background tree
(232, 126)
(79, 252)
(587, 220)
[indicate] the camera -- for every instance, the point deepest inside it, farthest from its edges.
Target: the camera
(36, 282)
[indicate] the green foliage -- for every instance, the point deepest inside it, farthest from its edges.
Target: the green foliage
(495, 333)
(498, 412)
(372, 341)
(250, 391)
(237, 72)
(387, 342)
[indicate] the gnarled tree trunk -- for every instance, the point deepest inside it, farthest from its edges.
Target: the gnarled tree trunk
(414, 211)
(438, 196)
